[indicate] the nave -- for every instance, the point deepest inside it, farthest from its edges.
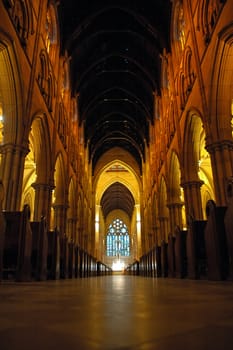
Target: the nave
(117, 312)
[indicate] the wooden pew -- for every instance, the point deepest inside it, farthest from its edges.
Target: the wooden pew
(171, 256)
(71, 260)
(17, 245)
(39, 250)
(81, 263)
(196, 254)
(77, 262)
(153, 262)
(228, 221)
(180, 253)
(2, 230)
(164, 259)
(64, 257)
(215, 241)
(53, 260)
(158, 261)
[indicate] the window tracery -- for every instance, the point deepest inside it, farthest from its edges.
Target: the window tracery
(50, 32)
(187, 77)
(72, 153)
(179, 29)
(62, 125)
(209, 11)
(46, 80)
(181, 26)
(20, 12)
(117, 240)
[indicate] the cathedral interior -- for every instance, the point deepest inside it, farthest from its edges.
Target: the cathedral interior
(116, 156)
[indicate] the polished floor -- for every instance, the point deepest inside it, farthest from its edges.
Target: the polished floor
(117, 313)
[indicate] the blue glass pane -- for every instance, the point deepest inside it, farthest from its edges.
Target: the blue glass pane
(117, 239)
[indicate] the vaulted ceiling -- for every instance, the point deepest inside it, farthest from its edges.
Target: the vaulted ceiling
(115, 48)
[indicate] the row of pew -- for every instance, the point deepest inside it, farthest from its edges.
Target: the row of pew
(29, 252)
(203, 251)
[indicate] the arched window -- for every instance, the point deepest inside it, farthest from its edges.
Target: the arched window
(20, 12)
(117, 241)
(179, 29)
(51, 32)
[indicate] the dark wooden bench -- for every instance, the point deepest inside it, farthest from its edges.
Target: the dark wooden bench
(53, 259)
(228, 221)
(196, 253)
(39, 250)
(180, 253)
(64, 257)
(17, 245)
(215, 241)
(164, 259)
(2, 237)
(158, 266)
(171, 256)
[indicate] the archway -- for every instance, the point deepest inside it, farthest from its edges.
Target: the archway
(176, 196)
(197, 172)
(117, 197)
(11, 125)
(37, 169)
(163, 211)
(59, 208)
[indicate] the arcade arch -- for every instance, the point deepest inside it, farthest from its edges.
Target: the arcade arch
(197, 173)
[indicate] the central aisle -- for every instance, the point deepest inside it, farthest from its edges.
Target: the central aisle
(116, 313)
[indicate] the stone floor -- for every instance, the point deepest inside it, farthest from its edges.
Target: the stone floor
(117, 313)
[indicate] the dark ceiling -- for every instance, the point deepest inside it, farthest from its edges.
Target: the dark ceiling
(115, 49)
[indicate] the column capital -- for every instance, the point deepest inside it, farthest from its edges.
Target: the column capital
(219, 145)
(13, 148)
(43, 186)
(175, 205)
(60, 206)
(192, 184)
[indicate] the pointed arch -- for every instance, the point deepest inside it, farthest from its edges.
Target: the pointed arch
(220, 96)
(60, 180)
(163, 211)
(196, 159)
(11, 92)
(72, 211)
(37, 166)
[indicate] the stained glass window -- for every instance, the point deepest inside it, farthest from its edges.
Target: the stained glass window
(117, 240)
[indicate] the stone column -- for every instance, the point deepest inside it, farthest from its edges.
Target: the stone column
(221, 155)
(43, 196)
(192, 198)
(175, 212)
(164, 228)
(156, 234)
(71, 228)
(12, 168)
(60, 211)
(80, 236)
